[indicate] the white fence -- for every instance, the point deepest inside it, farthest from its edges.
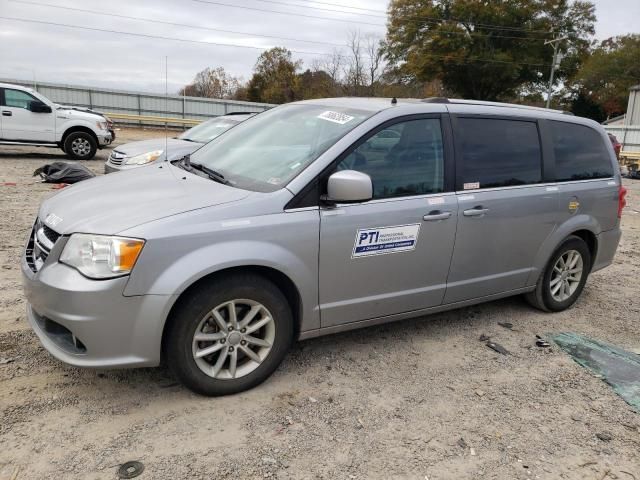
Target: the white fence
(140, 103)
(627, 135)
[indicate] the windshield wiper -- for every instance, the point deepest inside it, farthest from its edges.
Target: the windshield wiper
(212, 174)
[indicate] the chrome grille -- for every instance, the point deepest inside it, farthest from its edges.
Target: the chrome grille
(117, 158)
(40, 243)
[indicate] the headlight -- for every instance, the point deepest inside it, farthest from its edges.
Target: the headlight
(101, 125)
(144, 158)
(101, 256)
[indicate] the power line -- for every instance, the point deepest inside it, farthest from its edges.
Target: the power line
(161, 22)
(264, 10)
(296, 14)
(156, 37)
(418, 19)
(233, 45)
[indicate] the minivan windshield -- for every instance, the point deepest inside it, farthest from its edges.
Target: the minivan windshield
(207, 131)
(265, 152)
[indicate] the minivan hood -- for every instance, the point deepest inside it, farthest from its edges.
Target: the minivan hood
(177, 148)
(112, 203)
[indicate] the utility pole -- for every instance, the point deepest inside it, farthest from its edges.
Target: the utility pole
(555, 64)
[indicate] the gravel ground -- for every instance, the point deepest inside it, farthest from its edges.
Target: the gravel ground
(416, 399)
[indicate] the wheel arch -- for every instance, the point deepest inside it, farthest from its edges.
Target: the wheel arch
(278, 278)
(77, 128)
(591, 239)
(582, 226)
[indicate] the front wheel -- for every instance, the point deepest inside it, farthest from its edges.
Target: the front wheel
(230, 335)
(80, 146)
(564, 277)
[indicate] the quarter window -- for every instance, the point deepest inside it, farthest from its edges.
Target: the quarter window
(403, 159)
(580, 152)
(17, 98)
(498, 153)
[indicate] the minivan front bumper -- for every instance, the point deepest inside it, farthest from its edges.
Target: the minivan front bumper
(90, 323)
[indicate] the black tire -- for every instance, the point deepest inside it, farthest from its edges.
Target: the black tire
(186, 318)
(542, 297)
(80, 146)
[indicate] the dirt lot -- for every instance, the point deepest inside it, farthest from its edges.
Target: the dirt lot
(387, 402)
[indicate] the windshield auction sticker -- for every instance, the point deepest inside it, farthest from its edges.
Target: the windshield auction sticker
(378, 241)
(335, 117)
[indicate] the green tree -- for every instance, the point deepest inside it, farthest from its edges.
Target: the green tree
(314, 84)
(274, 77)
(487, 50)
(604, 79)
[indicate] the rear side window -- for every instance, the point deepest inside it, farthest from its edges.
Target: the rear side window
(580, 152)
(498, 153)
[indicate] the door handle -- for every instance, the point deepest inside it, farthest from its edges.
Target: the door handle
(436, 215)
(6, 113)
(475, 211)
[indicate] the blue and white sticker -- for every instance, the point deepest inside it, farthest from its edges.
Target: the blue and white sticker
(381, 240)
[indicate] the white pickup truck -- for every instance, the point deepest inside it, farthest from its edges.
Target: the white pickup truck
(28, 118)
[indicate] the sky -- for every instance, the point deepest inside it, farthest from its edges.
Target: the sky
(110, 58)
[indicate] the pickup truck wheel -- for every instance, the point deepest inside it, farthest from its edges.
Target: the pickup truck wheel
(564, 277)
(230, 335)
(80, 146)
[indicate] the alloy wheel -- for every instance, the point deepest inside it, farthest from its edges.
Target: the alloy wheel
(566, 275)
(233, 339)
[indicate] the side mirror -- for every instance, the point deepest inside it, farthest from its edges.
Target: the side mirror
(349, 186)
(39, 107)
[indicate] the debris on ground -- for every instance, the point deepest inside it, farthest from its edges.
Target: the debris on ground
(541, 342)
(63, 172)
(507, 325)
(617, 367)
(484, 338)
(130, 469)
(604, 436)
(4, 361)
(498, 348)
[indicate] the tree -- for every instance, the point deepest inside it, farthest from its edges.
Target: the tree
(362, 65)
(212, 83)
(315, 83)
(603, 81)
(274, 77)
(486, 50)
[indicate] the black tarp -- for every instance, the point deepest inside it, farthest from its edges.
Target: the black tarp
(62, 172)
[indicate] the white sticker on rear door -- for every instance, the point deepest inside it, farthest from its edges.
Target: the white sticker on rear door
(335, 117)
(378, 241)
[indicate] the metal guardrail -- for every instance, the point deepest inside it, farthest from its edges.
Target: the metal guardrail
(145, 119)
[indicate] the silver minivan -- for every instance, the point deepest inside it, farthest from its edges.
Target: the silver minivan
(318, 217)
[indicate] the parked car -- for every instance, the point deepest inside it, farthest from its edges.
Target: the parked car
(617, 146)
(28, 118)
(136, 154)
(289, 227)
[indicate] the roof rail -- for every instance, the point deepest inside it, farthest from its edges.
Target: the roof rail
(503, 105)
(435, 100)
(237, 113)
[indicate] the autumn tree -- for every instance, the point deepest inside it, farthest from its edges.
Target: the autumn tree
(274, 77)
(603, 80)
(212, 83)
(486, 50)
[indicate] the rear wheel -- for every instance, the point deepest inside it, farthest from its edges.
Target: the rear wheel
(230, 335)
(564, 277)
(80, 146)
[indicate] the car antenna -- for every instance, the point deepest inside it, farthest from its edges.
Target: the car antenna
(394, 101)
(166, 106)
